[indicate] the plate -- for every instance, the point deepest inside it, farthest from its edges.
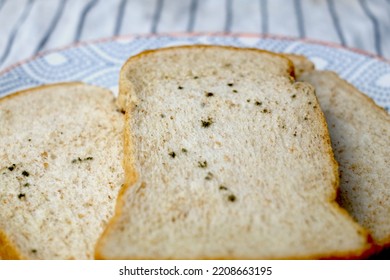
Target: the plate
(99, 62)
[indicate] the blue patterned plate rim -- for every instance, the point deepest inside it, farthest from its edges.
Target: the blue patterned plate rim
(197, 34)
(369, 72)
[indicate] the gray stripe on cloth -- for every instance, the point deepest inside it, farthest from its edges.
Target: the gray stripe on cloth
(87, 8)
(52, 26)
(157, 16)
(119, 18)
(15, 29)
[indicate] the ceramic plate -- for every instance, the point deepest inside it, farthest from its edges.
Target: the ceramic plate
(99, 62)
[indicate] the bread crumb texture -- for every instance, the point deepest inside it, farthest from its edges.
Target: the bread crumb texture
(360, 133)
(252, 176)
(60, 170)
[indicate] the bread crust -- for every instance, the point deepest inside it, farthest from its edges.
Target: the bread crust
(125, 86)
(352, 91)
(368, 99)
(301, 63)
(131, 177)
(8, 250)
(38, 88)
(307, 67)
(379, 244)
(127, 89)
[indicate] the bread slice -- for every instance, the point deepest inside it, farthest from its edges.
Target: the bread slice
(301, 64)
(226, 157)
(60, 170)
(360, 134)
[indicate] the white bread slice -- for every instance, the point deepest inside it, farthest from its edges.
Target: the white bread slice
(301, 63)
(360, 135)
(225, 157)
(61, 151)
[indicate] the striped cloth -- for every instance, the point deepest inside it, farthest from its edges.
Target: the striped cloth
(28, 27)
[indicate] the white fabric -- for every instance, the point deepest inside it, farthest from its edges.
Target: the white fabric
(31, 26)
